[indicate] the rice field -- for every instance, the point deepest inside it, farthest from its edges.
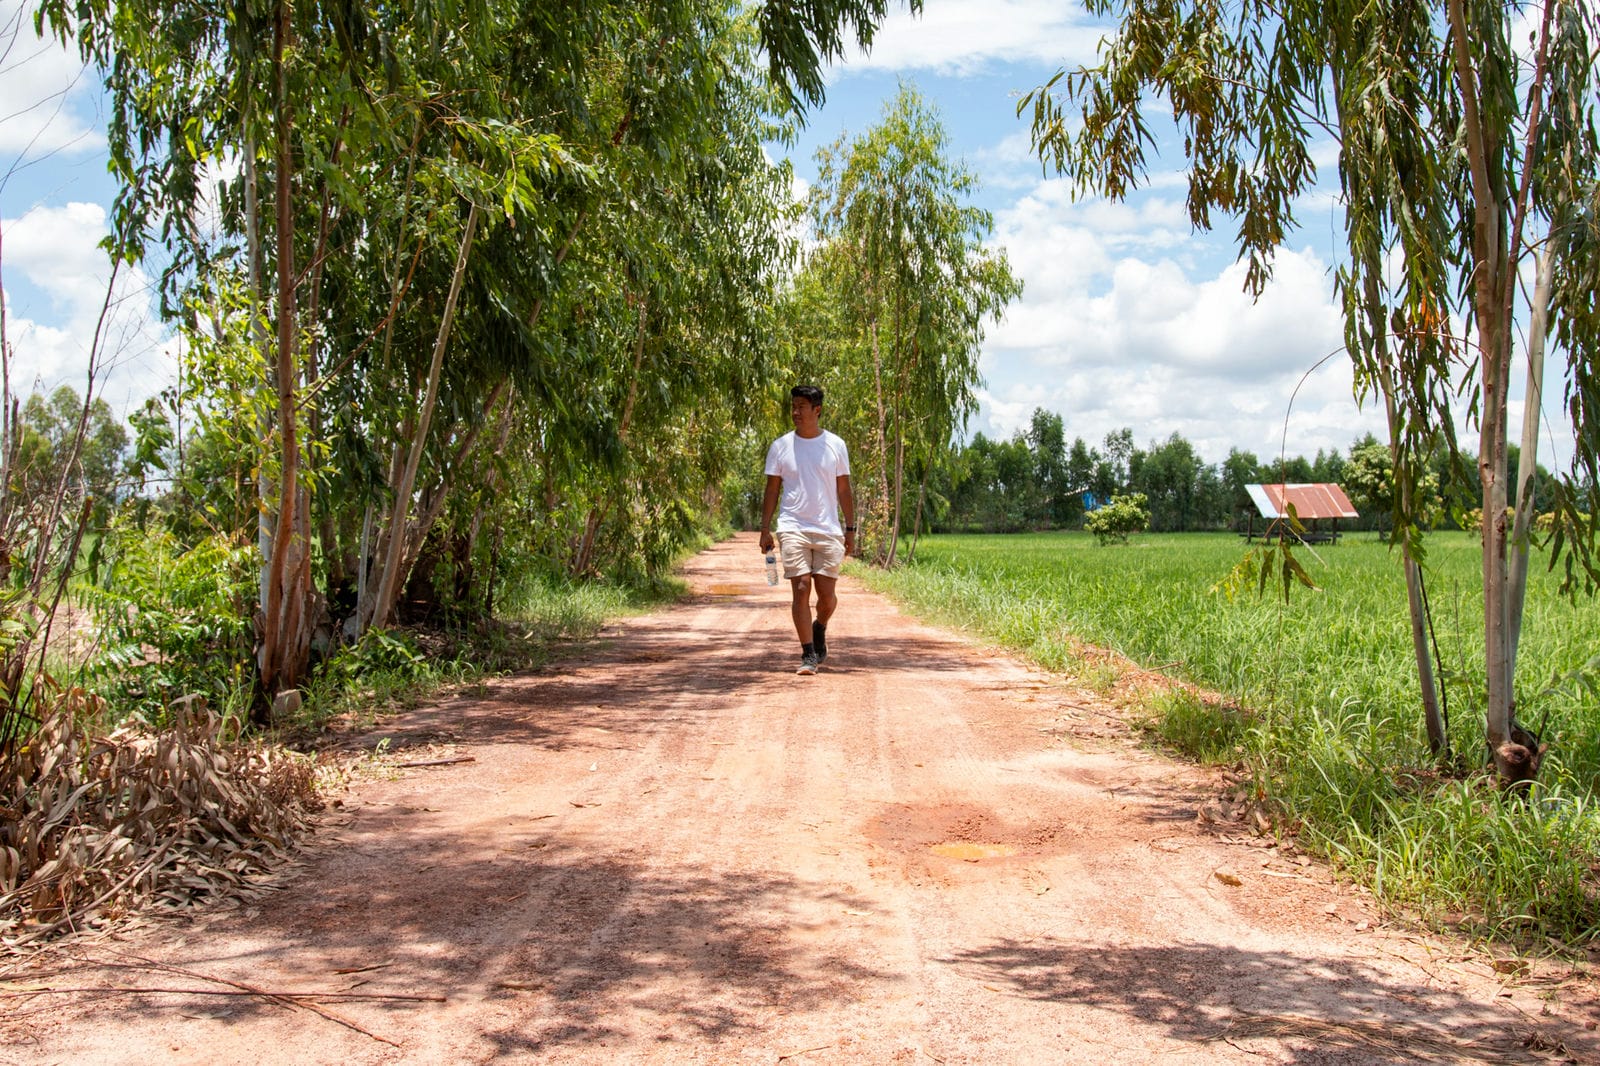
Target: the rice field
(1318, 696)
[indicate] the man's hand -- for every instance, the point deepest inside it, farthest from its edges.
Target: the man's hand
(850, 543)
(766, 542)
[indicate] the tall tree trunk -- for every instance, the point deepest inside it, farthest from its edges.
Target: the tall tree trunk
(1416, 601)
(439, 493)
(882, 478)
(492, 487)
(895, 490)
(899, 491)
(1405, 483)
(332, 552)
(286, 643)
(1490, 258)
(916, 524)
(1528, 457)
(389, 582)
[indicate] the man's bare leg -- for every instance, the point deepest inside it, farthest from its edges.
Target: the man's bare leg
(826, 600)
(802, 605)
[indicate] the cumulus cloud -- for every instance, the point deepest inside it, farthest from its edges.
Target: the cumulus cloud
(1009, 164)
(967, 36)
(47, 92)
(1117, 326)
(56, 278)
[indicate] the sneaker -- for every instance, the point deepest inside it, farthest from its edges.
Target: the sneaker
(808, 664)
(819, 640)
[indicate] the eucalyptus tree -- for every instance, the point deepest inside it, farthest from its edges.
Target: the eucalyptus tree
(1463, 147)
(48, 449)
(919, 283)
(650, 316)
(1048, 439)
(302, 102)
(430, 190)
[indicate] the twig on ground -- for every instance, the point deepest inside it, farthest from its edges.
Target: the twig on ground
(142, 990)
(1246, 1050)
(436, 762)
(283, 1000)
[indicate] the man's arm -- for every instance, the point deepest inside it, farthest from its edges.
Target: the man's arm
(769, 503)
(847, 507)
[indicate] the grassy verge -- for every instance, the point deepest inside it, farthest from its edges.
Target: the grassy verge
(1330, 724)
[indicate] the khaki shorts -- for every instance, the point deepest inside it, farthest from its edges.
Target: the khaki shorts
(811, 553)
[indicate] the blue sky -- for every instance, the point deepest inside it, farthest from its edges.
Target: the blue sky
(1128, 318)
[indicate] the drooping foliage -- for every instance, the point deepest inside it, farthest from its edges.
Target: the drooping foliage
(465, 286)
(1467, 141)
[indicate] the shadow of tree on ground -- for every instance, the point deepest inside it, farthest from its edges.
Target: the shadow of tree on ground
(578, 947)
(1318, 1010)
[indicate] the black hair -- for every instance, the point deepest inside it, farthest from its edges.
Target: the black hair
(812, 394)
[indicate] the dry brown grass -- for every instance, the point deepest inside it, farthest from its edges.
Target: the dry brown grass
(90, 825)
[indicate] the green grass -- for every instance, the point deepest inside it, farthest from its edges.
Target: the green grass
(1331, 722)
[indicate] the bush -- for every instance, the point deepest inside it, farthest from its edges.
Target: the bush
(175, 620)
(1544, 523)
(1119, 518)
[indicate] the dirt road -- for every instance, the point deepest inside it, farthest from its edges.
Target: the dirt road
(674, 850)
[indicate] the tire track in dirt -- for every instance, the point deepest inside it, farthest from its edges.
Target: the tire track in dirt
(670, 849)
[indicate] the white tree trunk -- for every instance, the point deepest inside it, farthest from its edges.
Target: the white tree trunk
(389, 582)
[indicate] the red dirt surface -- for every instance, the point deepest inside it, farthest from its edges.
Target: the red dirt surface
(671, 849)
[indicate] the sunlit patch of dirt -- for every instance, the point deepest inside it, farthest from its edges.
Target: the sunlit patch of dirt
(968, 852)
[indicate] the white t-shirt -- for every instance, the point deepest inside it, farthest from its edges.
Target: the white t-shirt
(810, 468)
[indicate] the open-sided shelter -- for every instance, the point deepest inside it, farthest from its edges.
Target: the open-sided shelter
(1318, 506)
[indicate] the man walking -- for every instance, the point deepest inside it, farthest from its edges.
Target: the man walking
(810, 469)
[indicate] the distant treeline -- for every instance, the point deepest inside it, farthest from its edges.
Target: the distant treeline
(1037, 481)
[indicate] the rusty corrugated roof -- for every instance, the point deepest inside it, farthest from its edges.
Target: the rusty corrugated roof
(1324, 500)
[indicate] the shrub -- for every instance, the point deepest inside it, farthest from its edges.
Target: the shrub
(175, 620)
(1119, 518)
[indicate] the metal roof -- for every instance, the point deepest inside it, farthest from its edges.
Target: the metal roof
(1310, 501)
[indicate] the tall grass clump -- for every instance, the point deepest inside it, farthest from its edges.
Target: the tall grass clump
(1331, 725)
(1204, 730)
(551, 608)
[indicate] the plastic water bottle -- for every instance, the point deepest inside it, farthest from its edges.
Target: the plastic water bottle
(772, 569)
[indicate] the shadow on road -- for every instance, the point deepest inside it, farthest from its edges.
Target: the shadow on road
(1320, 1010)
(567, 940)
(652, 677)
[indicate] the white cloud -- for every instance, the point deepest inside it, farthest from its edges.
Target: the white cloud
(45, 91)
(966, 36)
(56, 279)
(1116, 328)
(1008, 164)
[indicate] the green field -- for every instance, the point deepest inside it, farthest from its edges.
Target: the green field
(1319, 696)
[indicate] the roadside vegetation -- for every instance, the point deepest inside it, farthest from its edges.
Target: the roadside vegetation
(474, 310)
(1316, 696)
(484, 319)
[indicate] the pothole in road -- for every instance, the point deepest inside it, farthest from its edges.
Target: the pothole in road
(962, 831)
